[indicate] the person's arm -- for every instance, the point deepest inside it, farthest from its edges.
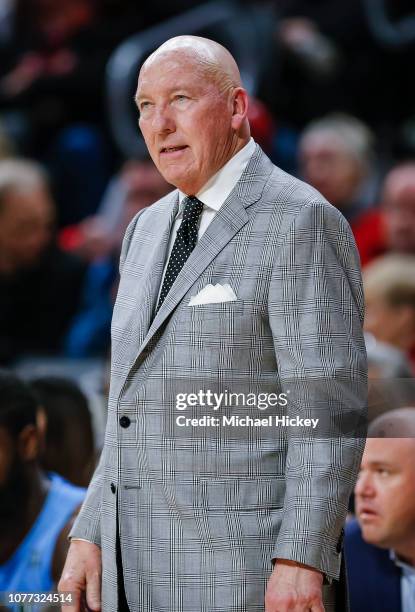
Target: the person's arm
(81, 576)
(82, 570)
(61, 548)
(316, 313)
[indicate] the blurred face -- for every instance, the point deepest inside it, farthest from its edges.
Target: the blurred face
(379, 318)
(393, 324)
(144, 185)
(13, 481)
(328, 167)
(185, 119)
(385, 492)
(400, 216)
(26, 220)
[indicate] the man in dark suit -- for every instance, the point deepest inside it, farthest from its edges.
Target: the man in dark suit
(380, 545)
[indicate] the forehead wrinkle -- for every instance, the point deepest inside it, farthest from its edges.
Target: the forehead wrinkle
(211, 61)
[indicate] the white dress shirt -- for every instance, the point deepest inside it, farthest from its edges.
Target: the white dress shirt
(213, 194)
(407, 583)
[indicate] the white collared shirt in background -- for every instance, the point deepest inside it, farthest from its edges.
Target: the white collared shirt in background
(407, 583)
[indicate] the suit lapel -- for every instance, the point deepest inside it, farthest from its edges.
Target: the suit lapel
(155, 264)
(230, 218)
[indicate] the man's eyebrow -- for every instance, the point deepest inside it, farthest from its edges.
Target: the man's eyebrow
(187, 89)
(381, 463)
(137, 98)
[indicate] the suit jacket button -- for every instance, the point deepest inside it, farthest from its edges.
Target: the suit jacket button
(113, 487)
(125, 421)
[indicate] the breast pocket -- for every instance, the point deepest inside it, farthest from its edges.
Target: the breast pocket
(218, 337)
(222, 310)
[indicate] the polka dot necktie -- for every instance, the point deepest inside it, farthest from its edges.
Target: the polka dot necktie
(184, 244)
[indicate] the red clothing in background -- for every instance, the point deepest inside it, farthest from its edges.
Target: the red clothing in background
(370, 235)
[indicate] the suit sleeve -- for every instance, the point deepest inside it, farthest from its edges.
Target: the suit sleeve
(87, 525)
(316, 313)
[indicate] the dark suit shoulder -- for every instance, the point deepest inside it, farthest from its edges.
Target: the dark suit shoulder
(374, 579)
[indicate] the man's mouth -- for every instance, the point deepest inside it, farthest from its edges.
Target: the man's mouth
(366, 513)
(170, 150)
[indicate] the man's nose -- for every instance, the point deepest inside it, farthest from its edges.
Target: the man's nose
(364, 486)
(162, 121)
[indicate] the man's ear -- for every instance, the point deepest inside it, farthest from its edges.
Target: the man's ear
(240, 108)
(28, 443)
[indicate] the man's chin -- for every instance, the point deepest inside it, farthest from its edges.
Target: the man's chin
(184, 178)
(183, 184)
(375, 538)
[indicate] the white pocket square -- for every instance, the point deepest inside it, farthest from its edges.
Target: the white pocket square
(213, 294)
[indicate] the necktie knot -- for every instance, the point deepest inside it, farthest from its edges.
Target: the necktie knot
(192, 209)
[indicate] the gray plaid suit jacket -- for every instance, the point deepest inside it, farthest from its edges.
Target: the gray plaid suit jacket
(201, 517)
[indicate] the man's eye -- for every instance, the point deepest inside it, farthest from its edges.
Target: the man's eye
(383, 471)
(180, 98)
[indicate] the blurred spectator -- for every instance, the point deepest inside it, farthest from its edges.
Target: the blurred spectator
(332, 58)
(54, 71)
(36, 509)
(138, 184)
(69, 444)
(52, 59)
(262, 124)
(392, 228)
(391, 382)
(39, 284)
(389, 285)
(99, 238)
(79, 163)
(399, 209)
(380, 545)
(385, 361)
(336, 157)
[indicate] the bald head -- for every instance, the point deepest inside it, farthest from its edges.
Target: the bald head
(193, 110)
(385, 488)
(208, 57)
(399, 423)
(400, 179)
(399, 208)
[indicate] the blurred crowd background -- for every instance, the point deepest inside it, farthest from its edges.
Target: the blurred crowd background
(331, 101)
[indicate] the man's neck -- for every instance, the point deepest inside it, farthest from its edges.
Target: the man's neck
(238, 146)
(406, 552)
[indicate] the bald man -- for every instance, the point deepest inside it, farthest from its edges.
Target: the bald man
(241, 280)
(380, 545)
(399, 208)
(391, 228)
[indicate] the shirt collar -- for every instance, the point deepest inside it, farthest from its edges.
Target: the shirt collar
(407, 569)
(219, 186)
